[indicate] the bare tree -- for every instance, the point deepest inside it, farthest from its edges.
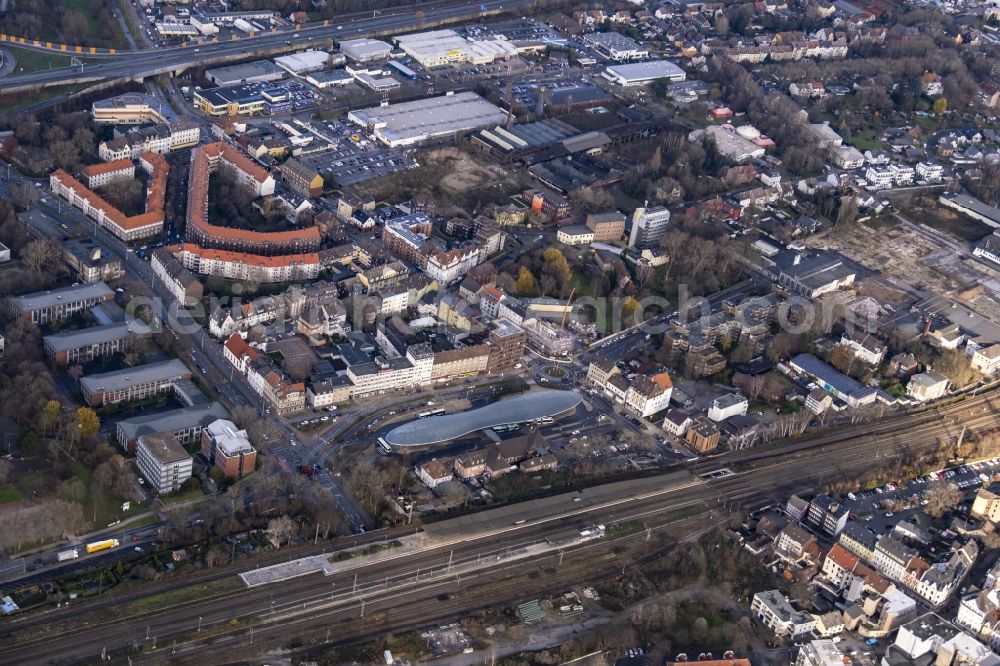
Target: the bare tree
(279, 530)
(941, 498)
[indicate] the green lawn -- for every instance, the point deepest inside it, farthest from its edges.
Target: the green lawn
(866, 141)
(181, 497)
(99, 33)
(9, 494)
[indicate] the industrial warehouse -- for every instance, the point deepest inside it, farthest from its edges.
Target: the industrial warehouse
(414, 122)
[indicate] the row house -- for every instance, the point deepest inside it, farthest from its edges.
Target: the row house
(239, 353)
(281, 393)
(244, 316)
(247, 267)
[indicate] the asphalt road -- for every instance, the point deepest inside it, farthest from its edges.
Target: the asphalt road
(756, 477)
(147, 62)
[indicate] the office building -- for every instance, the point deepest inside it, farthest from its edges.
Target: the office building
(85, 345)
(163, 462)
(45, 307)
(228, 449)
(607, 227)
(185, 424)
(134, 383)
(649, 226)
(131, 109)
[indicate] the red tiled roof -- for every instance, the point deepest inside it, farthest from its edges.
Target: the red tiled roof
(107, 167)
(210, 254)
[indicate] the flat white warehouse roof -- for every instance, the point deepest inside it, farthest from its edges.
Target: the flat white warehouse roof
(411, 122)
(649, 70)
(307, 61)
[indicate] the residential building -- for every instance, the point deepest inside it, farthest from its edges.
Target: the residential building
(239, 353)
(85, 345)
(99, 175)
(847, 158)
(433, 473)
(987, 503)
(858, 539)
(134, 383)
(818, 401)
(827, 514)
(127, 228)
(927, 386)
(247, 267)
(797, 508)
(228, 449)
(793, 543)
(56, 305)
(382, 375)
(866, 347)
(676, 422)
(158, 138)
(986, 359)
(648, 395)
(731, 404)
(702, 436)
(607, 227)
(826, 652)
(460, 362)
(979, 613)
(329, 392)
(301, 178)
(283, 395)
(182, 284)
(506, 341)
(930, 639)
(163, 462)
(777, 614)
(929, 172)
(649, 226)
(600, 370)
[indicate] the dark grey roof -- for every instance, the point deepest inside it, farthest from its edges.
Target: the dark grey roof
(528, 407)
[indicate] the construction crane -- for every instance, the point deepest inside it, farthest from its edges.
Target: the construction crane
(569, 300)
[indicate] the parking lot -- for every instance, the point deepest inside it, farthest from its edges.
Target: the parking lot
(353, 158)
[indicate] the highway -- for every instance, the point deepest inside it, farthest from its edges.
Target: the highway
(137, 65)
(757, 477)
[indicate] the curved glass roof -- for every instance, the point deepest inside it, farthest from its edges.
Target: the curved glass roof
(527, 407)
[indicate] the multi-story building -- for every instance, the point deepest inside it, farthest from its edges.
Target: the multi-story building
(506, 341)
(301, 178)
(676, 422)
(777, 614)
(827, 514)
(648, 395)
(85, 345)
(162, 461)
(858, 539)
(134, 383)
(649, 225)
(99, 175)
(927, 386)
(979, 613)
(448, 266)
(987, 503)
(185, 424)
(607, 227)
(460, 362)
(929, 172)
(600, 371)
(249, 267)
(228, 449)
(182, 284)
(159, 138)
(329, 392)
(91, 260)
(405, 236)
(206, 159)
(879, 177)
(866, 347)
(702, 436)
(986, 359)
(131, 109)
(53, 306)
(792, 543)
(278, 390)
(731, 404)
(127, 228)
(380, 376)
(575, 234)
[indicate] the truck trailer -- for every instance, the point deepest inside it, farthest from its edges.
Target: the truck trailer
(70, 554)
(102, 545)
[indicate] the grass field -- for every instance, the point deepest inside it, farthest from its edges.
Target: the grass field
(9, 494)
(35, 61)
(866, 141)
(99, 33)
